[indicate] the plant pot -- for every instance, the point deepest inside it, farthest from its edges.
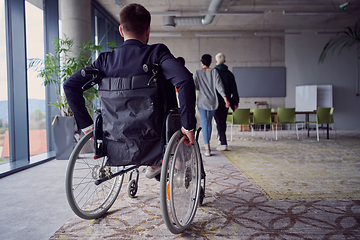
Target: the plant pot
(64, 129)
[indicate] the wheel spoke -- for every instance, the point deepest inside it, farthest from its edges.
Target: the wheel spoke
(180, 186)
(86, 199)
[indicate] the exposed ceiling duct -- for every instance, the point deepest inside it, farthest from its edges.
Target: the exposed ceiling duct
(189, 20)
(213, 8)
(117, 2)
(169, 22)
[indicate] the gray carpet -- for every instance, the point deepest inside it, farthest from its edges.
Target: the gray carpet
(238, 207)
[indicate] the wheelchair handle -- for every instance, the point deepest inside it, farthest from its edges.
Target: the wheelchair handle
(93, 72)
(151, 67)
(95, 77)
(154, 68)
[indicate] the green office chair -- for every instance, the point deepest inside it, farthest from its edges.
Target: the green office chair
(262, 116)
(229, 117)
(286, 116)
(251, 115)
(240, 116)
(273, 116)
(322, 117)
(331, 121)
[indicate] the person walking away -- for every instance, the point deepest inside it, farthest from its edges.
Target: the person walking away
(228, 80)
(208, 83)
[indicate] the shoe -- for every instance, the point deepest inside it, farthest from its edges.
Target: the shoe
(207, 153)
(151, 172)
(222, 148)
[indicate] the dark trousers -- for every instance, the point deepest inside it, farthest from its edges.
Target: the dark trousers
(220, 118)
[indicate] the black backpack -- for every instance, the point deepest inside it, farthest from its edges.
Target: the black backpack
(133, 111)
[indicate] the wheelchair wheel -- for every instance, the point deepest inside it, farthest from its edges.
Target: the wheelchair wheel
(87, 200)
(180, 183)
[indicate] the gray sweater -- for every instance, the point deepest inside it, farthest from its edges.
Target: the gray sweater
(207, 83)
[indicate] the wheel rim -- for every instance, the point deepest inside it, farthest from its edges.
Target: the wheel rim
(89, 198)
(86, 199)
(183, 188)
(180, 172)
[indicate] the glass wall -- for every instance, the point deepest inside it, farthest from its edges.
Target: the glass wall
(106, 32)
(36, 90)
(4, 133)
(24, 114)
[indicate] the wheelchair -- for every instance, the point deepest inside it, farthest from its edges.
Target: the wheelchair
(92, 186)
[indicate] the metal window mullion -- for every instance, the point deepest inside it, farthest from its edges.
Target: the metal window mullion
(17, 80)
(51, 32)
(102, 31)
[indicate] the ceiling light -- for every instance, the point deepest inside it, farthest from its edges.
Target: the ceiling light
(218, 34)
(285, 12)
(166, 13)
(326, 33)
(276, 33)
(230, 13)
(165, 34)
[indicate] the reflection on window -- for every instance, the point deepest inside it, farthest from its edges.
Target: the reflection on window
(4, 133)
(36, 90)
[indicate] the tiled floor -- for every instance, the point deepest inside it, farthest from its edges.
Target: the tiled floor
(33, 202)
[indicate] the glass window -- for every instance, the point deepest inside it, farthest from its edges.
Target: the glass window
(4, 133)
(106, 32)
(36, 89)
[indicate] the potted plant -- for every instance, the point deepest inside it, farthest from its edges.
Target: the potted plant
(56, 69)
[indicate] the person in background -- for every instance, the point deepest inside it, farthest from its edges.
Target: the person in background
(232, 95)
(208, 83)
(127, 61)
(181, 60)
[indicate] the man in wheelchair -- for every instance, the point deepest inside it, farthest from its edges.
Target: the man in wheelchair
(123, 121)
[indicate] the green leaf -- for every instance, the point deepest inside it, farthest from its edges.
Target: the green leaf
(344, 39)
(57, 67)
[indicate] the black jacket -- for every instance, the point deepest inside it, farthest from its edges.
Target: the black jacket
(229, 83)
(127, 61)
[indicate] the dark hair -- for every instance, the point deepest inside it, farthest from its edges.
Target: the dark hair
(134, 18)
(206, 59)
(181, 60)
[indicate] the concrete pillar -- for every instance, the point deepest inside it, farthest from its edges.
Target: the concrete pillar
(75, 18)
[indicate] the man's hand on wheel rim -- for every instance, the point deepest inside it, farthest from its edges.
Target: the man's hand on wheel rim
(190, 137)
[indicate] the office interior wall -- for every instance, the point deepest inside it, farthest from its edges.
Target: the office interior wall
(245, 51)
(301, 61)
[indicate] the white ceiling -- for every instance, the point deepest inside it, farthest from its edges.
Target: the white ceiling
(323, 15)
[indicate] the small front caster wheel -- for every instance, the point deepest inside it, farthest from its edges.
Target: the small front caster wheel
(132, 188)
(202, 196)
